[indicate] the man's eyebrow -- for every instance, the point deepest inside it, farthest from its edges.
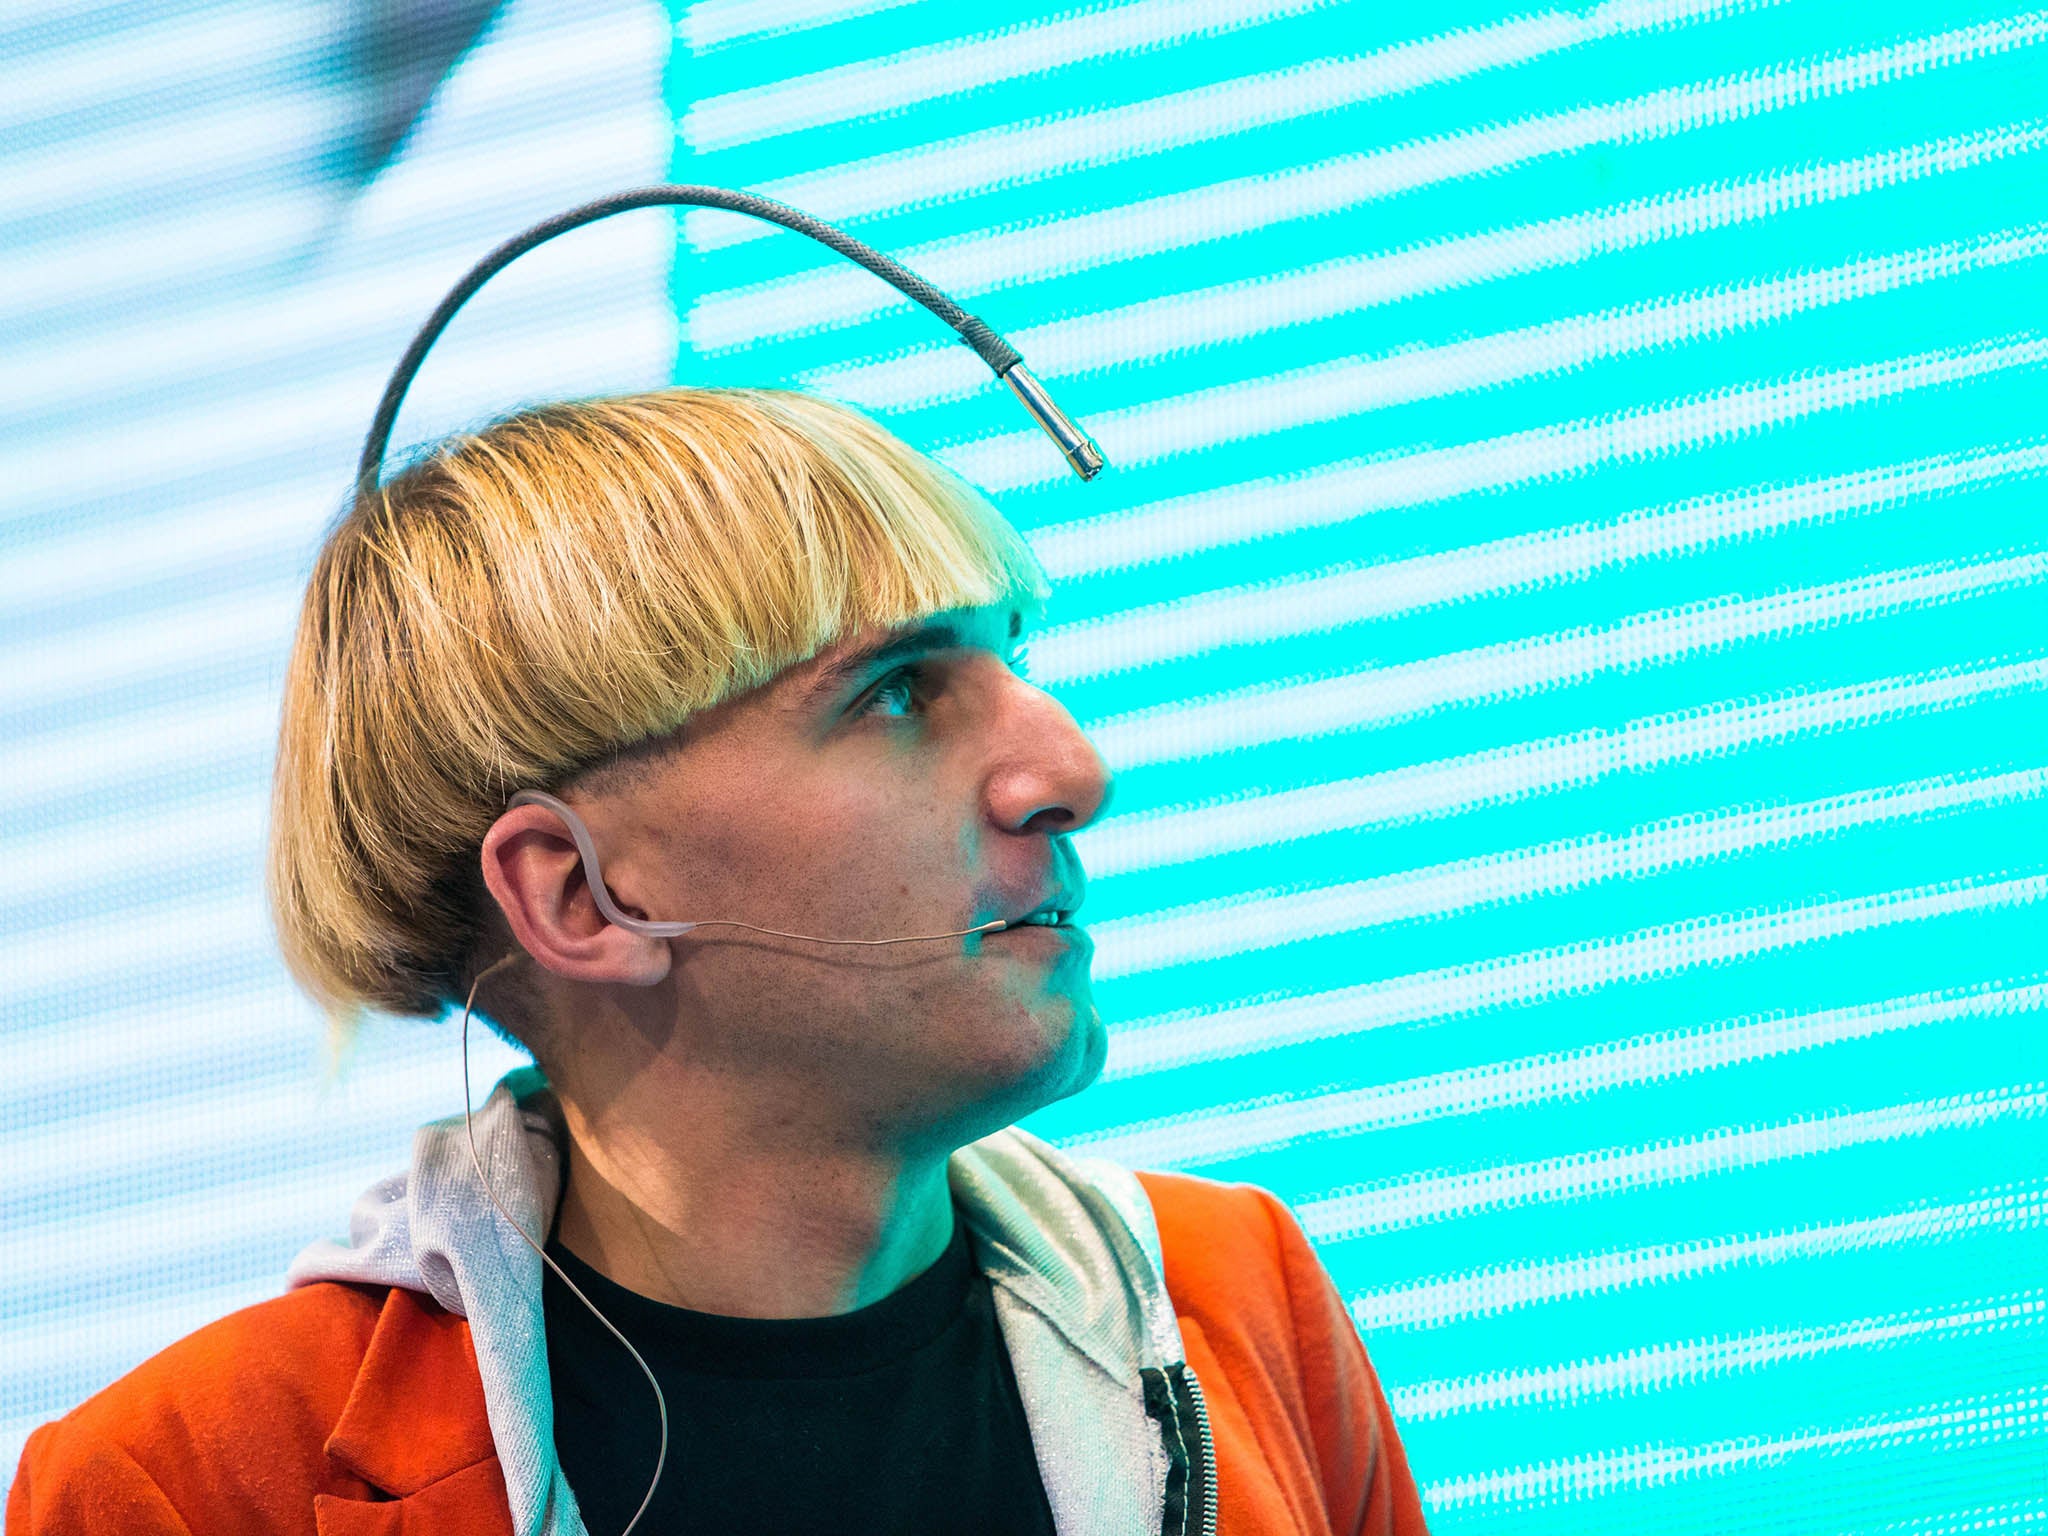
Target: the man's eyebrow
(935, 635)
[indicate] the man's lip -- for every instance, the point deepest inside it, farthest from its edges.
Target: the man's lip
(1066, 888)
(1070, 938)
(1065, 900)
(1070, 920)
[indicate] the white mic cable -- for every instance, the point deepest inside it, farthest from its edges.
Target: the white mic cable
(469, 1129)
(594, 875)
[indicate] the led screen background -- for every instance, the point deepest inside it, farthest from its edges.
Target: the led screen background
(1566, 614)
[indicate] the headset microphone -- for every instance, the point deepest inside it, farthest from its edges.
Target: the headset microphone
(593, 875)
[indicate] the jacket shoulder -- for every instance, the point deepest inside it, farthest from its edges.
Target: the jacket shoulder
(1304, 1437)
(227, 1427)
(1243, 1273)
(1227, 1246)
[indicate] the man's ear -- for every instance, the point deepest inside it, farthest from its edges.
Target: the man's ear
(536, 876)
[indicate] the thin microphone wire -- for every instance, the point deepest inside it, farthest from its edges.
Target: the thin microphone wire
(469, 1120)
(600, 893)
(469, 1130)
(812, 938)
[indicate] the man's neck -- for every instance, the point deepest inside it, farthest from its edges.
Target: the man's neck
(730, 1211)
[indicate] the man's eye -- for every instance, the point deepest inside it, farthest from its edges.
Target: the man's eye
(899, 688)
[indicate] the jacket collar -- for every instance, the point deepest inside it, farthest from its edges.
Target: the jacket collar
(415, 1429)
(416, 1412)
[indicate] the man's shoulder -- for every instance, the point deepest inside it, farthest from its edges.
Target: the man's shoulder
(246, 1402)
(1267, 1333)
(1227, 1233)
(1238, 1263)
(301, 1348)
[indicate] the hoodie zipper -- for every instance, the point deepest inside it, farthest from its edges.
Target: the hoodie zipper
(1205, 1448)
(1173, 1398)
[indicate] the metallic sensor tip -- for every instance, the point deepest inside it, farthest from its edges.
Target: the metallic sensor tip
(1076, 446)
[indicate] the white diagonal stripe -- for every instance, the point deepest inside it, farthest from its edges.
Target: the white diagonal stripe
(1691, 1360)
(983, 262)
(1407, 1202)
(1451, 786)
(1352, 701)
(1028, 151)
(1954, 1425)
(1176, 322)
(1239, 1130)
(157, 743)
(53, 870)
(1197, 622)
(220, 928)
(1143, 434)
(1499, 981)
(1146, 434)
(941, 69)
(711, 24)
(1507, 1288)
(238, 139)
(1339, 493)
(166, 641)
(96, 72)
(1252, 920)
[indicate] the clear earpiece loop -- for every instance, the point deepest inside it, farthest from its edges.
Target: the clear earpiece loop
(593, 873)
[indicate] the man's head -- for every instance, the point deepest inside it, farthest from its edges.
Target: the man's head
(663, 608)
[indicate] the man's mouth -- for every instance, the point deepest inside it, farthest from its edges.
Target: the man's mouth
(1044, 918)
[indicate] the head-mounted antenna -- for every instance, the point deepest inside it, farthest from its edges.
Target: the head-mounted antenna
(1074, 444)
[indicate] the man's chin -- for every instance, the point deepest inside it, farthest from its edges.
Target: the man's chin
(1077, 1063)
(1063, 1062)
(1092, 1036)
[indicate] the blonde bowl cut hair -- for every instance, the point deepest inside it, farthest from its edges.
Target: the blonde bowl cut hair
(531, 600)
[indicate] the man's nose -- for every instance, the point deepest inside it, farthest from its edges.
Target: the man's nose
(1050, 777)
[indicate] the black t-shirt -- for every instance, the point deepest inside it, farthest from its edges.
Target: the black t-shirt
(902, 1416)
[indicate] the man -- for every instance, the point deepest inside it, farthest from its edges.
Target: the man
(767, 658)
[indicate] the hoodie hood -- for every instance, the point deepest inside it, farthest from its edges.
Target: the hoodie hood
(1069, 1246)
(432, 1228)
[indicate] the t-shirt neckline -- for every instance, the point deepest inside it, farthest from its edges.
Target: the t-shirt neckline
(677, 1339)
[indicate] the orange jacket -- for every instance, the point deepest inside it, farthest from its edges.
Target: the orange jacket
(356, 1410)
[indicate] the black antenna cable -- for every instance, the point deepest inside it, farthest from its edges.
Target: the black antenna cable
(1075, 445)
